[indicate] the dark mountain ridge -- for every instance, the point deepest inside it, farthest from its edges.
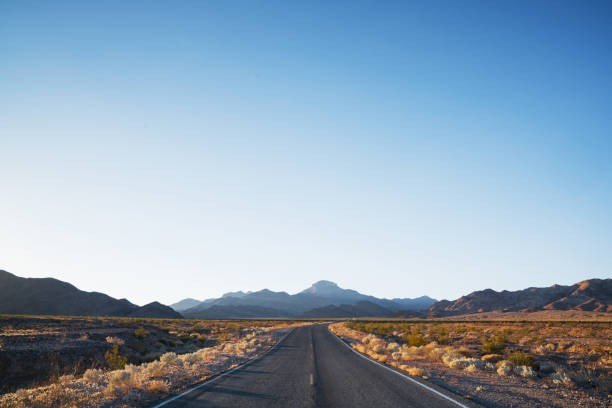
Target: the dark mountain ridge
(48, 296)
(590, 295)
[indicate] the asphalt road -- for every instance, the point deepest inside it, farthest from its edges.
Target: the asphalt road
(311, 368)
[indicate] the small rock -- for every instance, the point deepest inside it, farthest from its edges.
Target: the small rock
(546, 368)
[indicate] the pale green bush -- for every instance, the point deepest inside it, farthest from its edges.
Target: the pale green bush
(504, 368)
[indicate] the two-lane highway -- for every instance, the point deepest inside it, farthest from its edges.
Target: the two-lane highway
(312, 368)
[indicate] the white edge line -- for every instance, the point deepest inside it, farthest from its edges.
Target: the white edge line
(400, 374)
(161, 404)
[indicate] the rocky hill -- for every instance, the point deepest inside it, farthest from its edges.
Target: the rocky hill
(589, 295)
(48, 296)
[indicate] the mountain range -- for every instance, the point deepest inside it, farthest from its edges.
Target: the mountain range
(590, 295)
(323, 299)
(48, 296)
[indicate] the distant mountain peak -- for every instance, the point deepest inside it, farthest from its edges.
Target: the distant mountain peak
(325, 284)
(322, 287)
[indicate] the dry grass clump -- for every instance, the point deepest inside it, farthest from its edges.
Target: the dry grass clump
(93, 375)
(360, 348)
(158, 387)
(413, 371)
(492, 358)
(115, 340)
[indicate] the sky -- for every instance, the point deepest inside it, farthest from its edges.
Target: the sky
(164, 150)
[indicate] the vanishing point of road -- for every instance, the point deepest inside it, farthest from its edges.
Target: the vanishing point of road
(312, 368)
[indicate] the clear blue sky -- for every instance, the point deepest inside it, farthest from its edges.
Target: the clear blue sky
(162, 150)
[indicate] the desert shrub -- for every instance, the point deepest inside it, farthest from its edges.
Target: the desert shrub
(189, 358)
(561, 377)
(208, 354)
(451, 355)
(524, 371)
(157, 386)
(435, 353)
(120, 382)
(520, 358)
(155, 369)
(393, 347)
(93, 375)
(114, 360)
(463, 363)
(494, 345)
(378, 348)
(416, 340)
(360, 348)
(65, 379)
(409, 353)
(141, 333)
(168, 358)
(504, 367)
(443, 339)
(545, 348)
